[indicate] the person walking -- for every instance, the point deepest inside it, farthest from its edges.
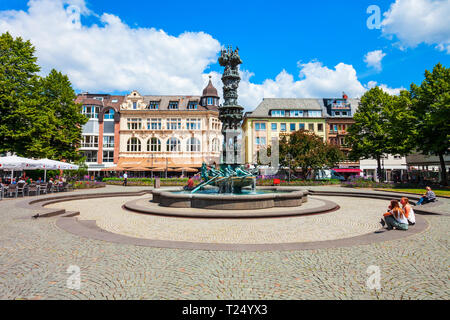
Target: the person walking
(125, 179)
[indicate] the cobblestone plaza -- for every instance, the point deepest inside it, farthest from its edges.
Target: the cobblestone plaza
(35, 255)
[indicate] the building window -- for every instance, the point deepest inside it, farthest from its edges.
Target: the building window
(335, 128)
(274, 127)
(90, 111)
(108, 142)
(337, 113)
(193, 145)
(153, 105)
(210, 101)
(134, 105)
(301, 126)
(194, 124)
(277, 113)
(89, 142)
(283, 127)
(114, 100)
(215, 145)
(342, 141)
(260, 141)
(320, 127)
(311, 126)
(154, 124)
(173, 145)
(174, 124)
(344, 113)
(154, 145)
(173, 105)
(296, 113)
(134, 123)
(314, 114)
(108, 156)
(192, 105)
(109, 115)
(292, 126)
(91, 156)
(260, 126)
(134, 145)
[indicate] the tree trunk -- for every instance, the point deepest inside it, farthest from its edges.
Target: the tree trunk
(444, 181)
(379, 172)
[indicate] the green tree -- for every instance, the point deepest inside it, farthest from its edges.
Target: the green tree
(38, 116)
(64, 118)
(307, 151)
(368, 136)
(18, 79)
(431, 106)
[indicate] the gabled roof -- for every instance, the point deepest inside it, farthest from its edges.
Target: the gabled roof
(263, 109)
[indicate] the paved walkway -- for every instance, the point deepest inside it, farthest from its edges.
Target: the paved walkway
(35, 255)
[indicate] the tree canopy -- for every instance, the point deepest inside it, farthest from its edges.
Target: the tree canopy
(307, 151)
(38, 115)
(430, 103)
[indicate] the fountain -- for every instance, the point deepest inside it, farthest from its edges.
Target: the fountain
(230, 186)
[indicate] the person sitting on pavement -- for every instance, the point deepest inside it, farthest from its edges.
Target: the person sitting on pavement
(395, 217)
(409, 211)
(190, 185)
(429, 196)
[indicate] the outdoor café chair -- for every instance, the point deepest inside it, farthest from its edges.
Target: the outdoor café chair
(21, 188)
(12, 189)
(43, 188)
(33, 188)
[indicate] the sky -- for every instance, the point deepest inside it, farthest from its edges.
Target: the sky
(305, 49)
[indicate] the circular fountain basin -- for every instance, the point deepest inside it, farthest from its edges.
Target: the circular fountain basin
(262, 198)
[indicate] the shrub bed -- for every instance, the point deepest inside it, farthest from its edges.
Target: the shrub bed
(269, 182)
(88, 184)
(142, 182)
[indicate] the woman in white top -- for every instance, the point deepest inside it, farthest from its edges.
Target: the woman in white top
(409, 211)
(395, 218)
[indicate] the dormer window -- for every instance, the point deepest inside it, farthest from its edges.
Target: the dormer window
(173, 105)
(114, 100)
(192, 105)
(153, 105)
(277, 113)
(210, 101)
(134, 105)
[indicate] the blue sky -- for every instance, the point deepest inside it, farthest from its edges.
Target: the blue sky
(272, 36)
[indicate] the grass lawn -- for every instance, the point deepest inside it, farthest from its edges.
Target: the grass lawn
(438, 192)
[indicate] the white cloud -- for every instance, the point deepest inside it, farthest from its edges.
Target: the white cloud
(373, 59)
(419, 21)
(111, 56)
(391, 91)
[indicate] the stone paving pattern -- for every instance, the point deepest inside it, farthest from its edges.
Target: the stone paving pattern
(35, 254)
(349, 221)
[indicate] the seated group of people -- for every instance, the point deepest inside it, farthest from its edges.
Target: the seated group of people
(28, 181)
(401, 217)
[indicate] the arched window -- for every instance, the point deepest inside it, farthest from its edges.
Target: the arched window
(173, 145)
(134, 145)
(154, 145)
(215, 145)
(109, 115)
(193, 145)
